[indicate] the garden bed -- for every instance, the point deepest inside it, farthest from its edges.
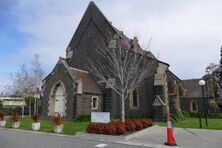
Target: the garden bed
(119, 128)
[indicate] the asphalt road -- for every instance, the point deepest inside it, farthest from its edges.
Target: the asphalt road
(20, 139)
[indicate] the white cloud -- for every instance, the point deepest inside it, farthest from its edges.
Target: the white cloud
(186, 34)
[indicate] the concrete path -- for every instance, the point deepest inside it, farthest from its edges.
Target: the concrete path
(187, 138)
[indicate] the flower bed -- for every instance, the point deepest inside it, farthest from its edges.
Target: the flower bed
(119, 128)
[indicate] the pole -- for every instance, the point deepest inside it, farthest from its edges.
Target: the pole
(199, 114)
(35, 106)
(30, 109)
(204, 105)
(22, 111)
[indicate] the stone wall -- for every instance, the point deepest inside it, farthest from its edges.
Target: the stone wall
(83, 104)
(59, 73)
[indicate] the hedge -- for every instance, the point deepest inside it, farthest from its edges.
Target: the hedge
(118, 127)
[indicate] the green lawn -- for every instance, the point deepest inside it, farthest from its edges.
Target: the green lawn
(70, 127)
(194, 123)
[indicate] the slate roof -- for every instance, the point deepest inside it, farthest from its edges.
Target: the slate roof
(88, 83)
(192, 88)
(105, 27)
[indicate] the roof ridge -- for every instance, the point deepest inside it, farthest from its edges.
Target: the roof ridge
(79, 70)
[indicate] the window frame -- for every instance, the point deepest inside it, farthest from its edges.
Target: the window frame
(132, 99)
(96, 103)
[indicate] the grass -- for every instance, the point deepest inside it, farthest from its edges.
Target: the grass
(215, 124)
(70, 127)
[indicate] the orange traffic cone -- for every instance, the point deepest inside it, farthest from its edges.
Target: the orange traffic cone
(170, 138)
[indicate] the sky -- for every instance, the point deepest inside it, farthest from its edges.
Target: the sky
(187, 34)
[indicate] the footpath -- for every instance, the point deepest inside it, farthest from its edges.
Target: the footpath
(155, 137)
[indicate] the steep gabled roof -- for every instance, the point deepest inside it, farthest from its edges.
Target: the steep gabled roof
(92, 13)
(192, 88)
(104, 26)
(88, 83)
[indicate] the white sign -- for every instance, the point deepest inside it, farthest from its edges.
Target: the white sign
(100, 117)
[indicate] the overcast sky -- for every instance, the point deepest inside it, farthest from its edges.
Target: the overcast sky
(187, 34)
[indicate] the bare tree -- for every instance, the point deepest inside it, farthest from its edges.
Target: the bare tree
(27, 80)
(22, 82)
(125, 68)
(37, 72)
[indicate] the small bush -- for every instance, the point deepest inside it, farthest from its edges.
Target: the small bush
(10, 110)
(185, 114)
(2, 116)
(36, 117)
(58, 119)
(15, 117)
(175, 117)
(110, 129)
(83, 118)
(130, 126)
(139, 125)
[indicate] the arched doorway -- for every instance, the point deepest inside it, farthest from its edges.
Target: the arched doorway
(57, 99)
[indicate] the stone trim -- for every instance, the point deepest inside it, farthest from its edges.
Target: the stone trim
(51, 101)
(97, 102)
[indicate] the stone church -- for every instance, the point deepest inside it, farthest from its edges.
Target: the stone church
(72, 90)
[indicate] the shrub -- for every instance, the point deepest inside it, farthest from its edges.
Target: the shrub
(146, 122)
(58, 119)
(130, 126)
(185, 114)
(139, 125)
(2, 116)
(175, 117)
(82, 118)
(90, 128)
(118, 127)
(15, 117)
(10, 110)
(36, 117)
(110, 129)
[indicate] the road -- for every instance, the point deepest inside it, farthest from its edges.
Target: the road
(19, 139)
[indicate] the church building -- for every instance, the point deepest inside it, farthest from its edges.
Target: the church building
(71, 89)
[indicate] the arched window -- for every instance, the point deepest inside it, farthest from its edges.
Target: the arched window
(134, 100)
(193, 106)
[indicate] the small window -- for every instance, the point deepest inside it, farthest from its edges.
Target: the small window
(95, 102)
(135, 101)
(194, 107)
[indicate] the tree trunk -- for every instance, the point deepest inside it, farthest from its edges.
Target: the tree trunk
(123, 109)
(30, 107)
